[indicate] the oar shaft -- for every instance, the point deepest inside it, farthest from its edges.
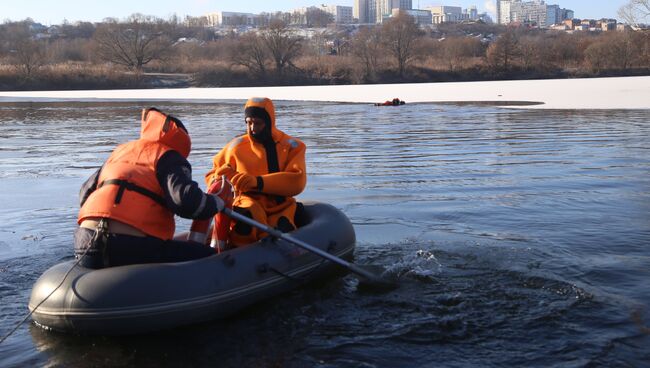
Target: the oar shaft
(278, 234)
(369, 276)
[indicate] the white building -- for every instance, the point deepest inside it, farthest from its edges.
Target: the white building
(535, 12)
(383, 10)
(420, 16)
(503, 16)
(449, 14)
(221, 18)
(360, 11)
(341, 14)
(472, 12)
(374, 11)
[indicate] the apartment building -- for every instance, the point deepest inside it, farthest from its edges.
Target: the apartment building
(360, 11)
(375, 11)
(442, 14)
(341, 14)
(504, 12)
(420, 16)
(222, 18)
(535, 12)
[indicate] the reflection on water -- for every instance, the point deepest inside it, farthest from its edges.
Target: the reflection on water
(520, 237)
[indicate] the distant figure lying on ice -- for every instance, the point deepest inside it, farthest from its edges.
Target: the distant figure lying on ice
(394, 102)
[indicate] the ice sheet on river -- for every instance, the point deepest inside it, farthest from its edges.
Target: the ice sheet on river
(586, 93)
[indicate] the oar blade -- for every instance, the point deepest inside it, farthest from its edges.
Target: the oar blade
(373, 277)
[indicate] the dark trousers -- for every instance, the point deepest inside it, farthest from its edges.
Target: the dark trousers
(122, 250)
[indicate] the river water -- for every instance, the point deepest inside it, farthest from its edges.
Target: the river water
(521, 238)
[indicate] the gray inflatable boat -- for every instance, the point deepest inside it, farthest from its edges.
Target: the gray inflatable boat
(148, 297)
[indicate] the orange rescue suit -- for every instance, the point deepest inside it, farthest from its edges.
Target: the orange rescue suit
(275, 199)
(128, 189)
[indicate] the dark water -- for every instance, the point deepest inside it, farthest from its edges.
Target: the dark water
(521, 238)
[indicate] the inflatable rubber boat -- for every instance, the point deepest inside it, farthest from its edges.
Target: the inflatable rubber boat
(148, 297)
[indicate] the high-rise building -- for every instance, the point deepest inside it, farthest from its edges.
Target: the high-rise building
(361, 11)
(472, 12)
(503, 11)
(567, 14)
(419, 16)
(374, 11)
(222, 18)
(498, 11)
(442, 14)
(533, 12)
(341, 14)
(385, 8)
(401, 4)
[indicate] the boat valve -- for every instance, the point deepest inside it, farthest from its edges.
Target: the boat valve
(228, 260)
(263, 268)
(331, 246)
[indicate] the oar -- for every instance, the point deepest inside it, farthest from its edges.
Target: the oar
(368, 276)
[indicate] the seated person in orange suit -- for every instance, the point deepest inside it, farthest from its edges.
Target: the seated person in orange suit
(267, 169)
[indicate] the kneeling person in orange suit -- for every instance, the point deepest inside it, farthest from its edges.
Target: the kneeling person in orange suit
(267, 169)
(128, 205)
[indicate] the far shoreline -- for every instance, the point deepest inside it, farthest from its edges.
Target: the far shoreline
(584, 93)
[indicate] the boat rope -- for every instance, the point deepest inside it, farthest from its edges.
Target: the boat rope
(288, 277)
(300, 279)
(46, 298)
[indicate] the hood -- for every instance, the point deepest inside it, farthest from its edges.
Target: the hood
(267, 105)
(166, 129)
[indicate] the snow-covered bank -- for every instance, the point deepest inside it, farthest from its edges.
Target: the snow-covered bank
(592, 93)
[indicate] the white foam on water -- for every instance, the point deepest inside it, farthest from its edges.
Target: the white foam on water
(421, 264)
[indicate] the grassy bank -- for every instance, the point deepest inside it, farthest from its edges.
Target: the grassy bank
(173, 54)
(324, 71)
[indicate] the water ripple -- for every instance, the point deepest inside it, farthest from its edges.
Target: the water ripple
(518, 238)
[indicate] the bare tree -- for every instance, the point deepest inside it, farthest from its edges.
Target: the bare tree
(366, 47)
(283, 45)
(285, 17)
(643, 43)
(318, 43)
(565, 50)
(502, 52)
(250, 52)
(529, 51)
(78, 30)
(317, 17)
(597, 56)
(635, 12)
(27, 53)
(134, 43)
(455, 50)
(625, 51)
(400, 35)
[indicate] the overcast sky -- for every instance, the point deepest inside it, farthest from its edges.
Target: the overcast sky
(55, 11)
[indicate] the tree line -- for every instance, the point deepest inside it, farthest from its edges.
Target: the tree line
(132, 52)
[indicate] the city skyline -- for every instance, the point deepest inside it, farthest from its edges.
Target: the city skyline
(78, 10)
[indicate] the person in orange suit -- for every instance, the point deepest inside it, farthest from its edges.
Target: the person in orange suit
(128, 205)
(267, 170)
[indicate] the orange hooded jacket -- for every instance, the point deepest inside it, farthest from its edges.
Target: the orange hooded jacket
(127, 187)
(247, 155)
